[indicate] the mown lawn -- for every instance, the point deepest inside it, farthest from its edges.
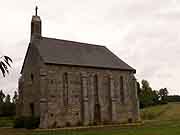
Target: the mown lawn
(159, 120)
(149, 128)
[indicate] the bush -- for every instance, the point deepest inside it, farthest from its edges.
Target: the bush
(19, 122)
(27, 122)
(7, 109)
(6, 121)
(31, 122)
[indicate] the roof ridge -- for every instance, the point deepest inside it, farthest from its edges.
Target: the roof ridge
(79, 43)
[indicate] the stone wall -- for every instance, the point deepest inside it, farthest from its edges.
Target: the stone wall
(76, 95)
(29, 84)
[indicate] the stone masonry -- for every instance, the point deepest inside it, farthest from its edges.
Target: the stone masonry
(77, 95)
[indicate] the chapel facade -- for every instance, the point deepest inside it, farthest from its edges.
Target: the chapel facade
(69, 83)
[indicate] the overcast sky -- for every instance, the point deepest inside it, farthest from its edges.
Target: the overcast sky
(143, 33)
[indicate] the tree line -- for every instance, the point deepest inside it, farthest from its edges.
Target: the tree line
(149, 97)
(8, 105)
(173, 98)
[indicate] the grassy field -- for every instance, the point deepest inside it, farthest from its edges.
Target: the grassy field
(149, 128)
(169, 111)
(164, 120)
(6, 122)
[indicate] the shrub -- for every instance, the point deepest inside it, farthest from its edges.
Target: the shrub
(27, 122)
(19, 122)
(6, 121)
(31, 122)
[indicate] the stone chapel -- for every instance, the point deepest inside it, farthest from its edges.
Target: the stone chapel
(68, 83)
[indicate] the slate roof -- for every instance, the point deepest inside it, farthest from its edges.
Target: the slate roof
(56, 51)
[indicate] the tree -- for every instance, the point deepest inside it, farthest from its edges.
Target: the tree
(5, 64)
(8, 107)
(15, 97)
(145, 85)
(147, 96)
(8, 99)
(2, 96)
(163, 93)
(155, 97)
(173, 98)
(138, 88)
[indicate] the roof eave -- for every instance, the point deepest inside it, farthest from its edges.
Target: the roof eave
(90, 66)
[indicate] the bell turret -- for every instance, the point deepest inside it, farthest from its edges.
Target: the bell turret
(36, 25)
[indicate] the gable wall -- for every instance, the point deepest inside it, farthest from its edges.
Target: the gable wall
(29, 83)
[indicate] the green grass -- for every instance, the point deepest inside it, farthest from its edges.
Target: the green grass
(6, 122)
(169, 111)
(165, 120)
(149, 128)
(158, 128)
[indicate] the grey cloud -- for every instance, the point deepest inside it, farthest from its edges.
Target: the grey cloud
(143, 33)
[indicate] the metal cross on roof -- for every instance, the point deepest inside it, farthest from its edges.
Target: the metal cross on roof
(36, 10)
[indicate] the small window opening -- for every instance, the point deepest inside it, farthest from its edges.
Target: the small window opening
(32, 77)
(122, 96)
(51, 81)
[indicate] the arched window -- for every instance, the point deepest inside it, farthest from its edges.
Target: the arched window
(32, 109)
(32, 77)
(65, 89)
(122, 97)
